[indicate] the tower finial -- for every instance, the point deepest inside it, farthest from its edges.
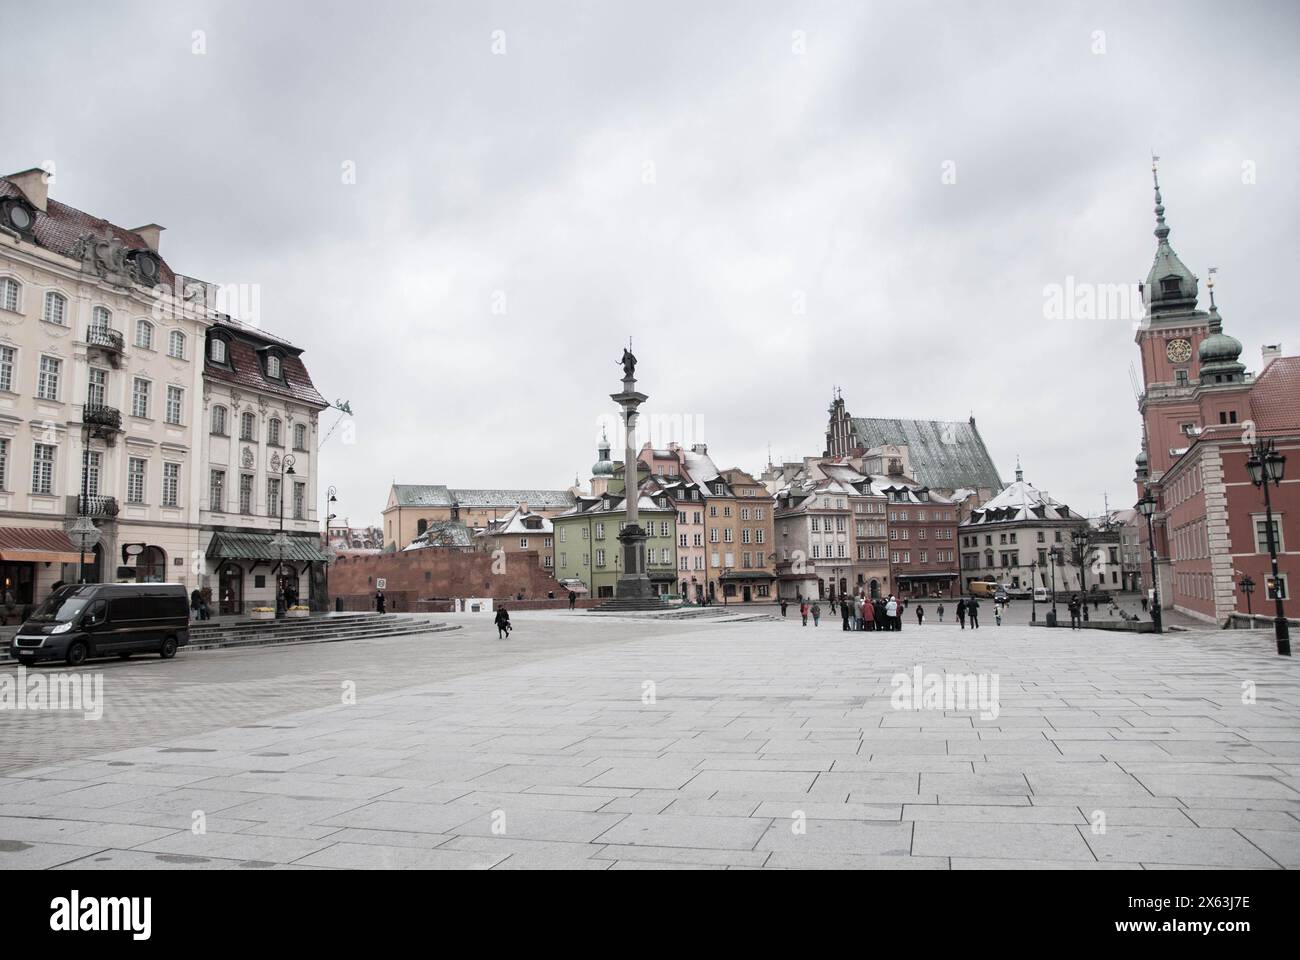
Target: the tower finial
(1020, 474)
(1162, 230)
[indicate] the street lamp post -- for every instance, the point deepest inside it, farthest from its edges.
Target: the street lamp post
(280, 540)
(1033, 591)
(1055, 559)
(1248, 587)
(1265, 464)
(1147, 507)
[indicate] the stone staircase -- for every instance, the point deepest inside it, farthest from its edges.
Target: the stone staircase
(214, 635)
(327, 629)
(633, 605)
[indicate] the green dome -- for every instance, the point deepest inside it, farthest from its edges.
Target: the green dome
(604, 467)
(1219, 352)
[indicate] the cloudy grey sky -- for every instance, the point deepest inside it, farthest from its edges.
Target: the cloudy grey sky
(755, 191)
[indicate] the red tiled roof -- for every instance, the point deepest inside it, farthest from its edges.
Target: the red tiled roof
(1275, 396)
(59, 226)
(247, 372)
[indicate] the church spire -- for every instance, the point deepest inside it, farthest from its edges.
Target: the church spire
(1162, 229)
(1020, 474)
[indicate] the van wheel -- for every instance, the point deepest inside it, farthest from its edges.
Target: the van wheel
(168, 649)
(76, 654)
(26, 661)
(124, 656)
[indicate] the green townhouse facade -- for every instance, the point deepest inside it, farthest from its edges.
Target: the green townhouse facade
(587, 547)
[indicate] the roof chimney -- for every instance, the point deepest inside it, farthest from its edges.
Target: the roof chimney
(150, 234)
(701, 448)
(523, 506)
(34, 185)
(1269, 352)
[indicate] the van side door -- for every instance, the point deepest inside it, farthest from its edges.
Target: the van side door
(95, 624)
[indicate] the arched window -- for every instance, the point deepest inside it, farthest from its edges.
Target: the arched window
(9, 290)
(144, 334)
(300, 436)
(273, 432)
(56, 308)
(247, 427)
(273, 366)
(421, 526)
(176, 345)
(217, 350)
(219, 421)
(101, 319)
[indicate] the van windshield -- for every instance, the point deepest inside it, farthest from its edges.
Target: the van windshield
(60, 608)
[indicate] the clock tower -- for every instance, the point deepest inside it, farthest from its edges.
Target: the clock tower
(1169, 339)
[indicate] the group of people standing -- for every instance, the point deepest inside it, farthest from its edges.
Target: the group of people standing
(886, 613)
(856, 613)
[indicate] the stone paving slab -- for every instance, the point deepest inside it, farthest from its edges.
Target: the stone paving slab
(764, 747)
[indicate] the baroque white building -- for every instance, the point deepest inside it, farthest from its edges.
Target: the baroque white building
(107, 395)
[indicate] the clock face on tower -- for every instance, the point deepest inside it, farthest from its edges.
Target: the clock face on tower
(1179, 350)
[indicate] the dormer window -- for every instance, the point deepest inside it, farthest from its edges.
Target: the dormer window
(1169, 285)
(273, 366)
(217, 350)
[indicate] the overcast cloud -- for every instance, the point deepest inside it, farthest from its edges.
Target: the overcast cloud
(778, 178)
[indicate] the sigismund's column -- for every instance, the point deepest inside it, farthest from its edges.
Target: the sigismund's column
(634, 581)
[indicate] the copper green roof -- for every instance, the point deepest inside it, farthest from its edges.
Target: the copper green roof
(258, 546)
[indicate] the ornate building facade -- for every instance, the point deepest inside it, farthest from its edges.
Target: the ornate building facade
(1201, 411)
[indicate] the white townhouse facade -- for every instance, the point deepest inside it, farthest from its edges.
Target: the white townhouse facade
(100, 396)
(128, 402)
(259, 439)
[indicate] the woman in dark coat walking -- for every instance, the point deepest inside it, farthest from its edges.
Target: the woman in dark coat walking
(961, 612)
(503, 623)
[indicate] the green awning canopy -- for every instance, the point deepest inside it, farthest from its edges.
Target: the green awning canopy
(259, 546)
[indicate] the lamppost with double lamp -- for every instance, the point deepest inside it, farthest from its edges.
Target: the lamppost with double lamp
(1248, 587)
(280, 541)
(1054, 555)
(1033, 591)
(1265, 464)
(1147, 507)
(331, 496)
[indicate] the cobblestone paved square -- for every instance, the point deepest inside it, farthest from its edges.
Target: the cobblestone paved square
(592, 742)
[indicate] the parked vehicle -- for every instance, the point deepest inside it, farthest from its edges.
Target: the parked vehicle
(81, 621)
(1042, 594)
(1020, 593)
(982, 588)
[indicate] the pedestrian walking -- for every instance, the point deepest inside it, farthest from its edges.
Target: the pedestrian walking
(573, 599)
(997, 612)
(844, 613)
(1144, 603)
(940, 612)
(380, 602)
(961, 612)
(205, 603)
(503, 623)
(891, 613)
(1075, 622)
(195, 600)
(920, 614)
(803, 612)
(784, 604)
(817, 614)
(973, 611)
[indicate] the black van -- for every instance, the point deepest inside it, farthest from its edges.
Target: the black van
(104, 620)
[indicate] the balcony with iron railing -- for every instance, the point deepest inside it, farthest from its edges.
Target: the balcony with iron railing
(101, 415)
(95, 506)
(106, 339)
